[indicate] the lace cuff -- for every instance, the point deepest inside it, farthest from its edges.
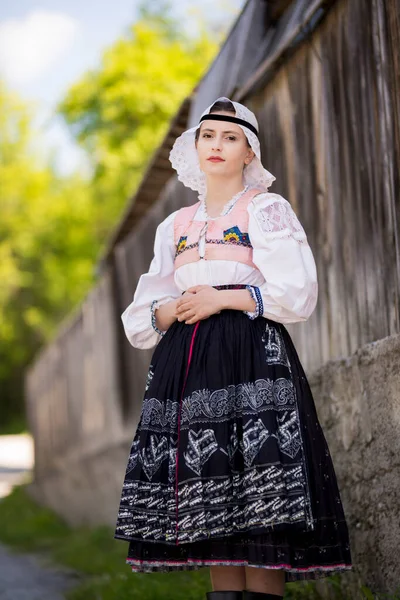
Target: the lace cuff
(154, 305)
(256, 295)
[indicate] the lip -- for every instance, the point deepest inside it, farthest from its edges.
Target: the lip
(215, 159)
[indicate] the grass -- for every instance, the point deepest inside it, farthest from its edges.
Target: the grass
(28, 527)
(15, 425)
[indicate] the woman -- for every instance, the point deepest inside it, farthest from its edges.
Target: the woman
(229, 467)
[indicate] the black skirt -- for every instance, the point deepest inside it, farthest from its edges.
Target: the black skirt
(229, 464)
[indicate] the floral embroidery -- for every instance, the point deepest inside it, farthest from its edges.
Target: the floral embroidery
(244, 398)
(232, 236)
(234, 233)
(182, 243)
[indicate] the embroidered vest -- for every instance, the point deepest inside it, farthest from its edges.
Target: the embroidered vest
(227, 237)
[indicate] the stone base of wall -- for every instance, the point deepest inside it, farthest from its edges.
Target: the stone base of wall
(358, 403)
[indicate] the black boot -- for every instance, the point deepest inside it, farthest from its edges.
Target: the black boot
(260, 596)
(224, 595)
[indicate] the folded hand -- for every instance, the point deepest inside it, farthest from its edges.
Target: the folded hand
(199, 302)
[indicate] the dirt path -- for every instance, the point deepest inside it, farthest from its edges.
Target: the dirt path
(28, 577)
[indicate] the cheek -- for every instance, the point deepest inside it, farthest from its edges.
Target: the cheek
(202, 150)
(236, 155)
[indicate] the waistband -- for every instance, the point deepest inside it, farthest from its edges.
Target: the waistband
(229, 286)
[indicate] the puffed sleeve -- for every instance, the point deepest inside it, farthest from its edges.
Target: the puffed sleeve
(282, 253)
(154, 288)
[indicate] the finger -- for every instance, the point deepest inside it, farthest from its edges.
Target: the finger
(187, 318)
(193, 319)
(196, 288)
(186, 315)
(184, 300)
(183, 306)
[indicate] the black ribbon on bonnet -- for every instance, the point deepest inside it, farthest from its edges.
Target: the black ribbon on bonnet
(218, 117)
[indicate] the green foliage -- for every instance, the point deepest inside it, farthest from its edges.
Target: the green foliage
(367, 593)
(25, 525)
(48, 245)
(121, 111)
(134, 586)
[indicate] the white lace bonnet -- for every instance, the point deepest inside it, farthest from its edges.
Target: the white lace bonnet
(185, 161)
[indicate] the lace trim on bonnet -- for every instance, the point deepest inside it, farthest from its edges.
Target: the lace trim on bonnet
(184, 157)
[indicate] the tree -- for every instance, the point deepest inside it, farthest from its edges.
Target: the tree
(47, 248)
(120, 111)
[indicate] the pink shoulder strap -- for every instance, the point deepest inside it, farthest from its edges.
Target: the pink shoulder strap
(182, 218)
(248, 196)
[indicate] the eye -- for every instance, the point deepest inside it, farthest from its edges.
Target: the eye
(231, 137)
(206, 135)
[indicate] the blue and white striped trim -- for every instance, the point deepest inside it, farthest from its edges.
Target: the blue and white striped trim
(256, 295)
(153, 308)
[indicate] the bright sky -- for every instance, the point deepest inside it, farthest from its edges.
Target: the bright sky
(46, 45)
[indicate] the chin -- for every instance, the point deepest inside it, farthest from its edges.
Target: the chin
(215, 168)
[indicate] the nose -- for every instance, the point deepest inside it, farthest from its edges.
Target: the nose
(216, 143)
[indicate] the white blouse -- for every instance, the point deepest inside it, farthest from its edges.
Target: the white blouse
(286, 272)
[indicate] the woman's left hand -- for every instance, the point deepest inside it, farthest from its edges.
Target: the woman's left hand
(205, 302)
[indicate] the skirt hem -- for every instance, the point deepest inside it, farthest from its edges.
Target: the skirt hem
(311, 572)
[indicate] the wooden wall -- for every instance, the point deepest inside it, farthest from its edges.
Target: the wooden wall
(72, 390)
(331, 135)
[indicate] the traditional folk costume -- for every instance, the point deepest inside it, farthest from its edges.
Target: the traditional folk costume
(229, 464)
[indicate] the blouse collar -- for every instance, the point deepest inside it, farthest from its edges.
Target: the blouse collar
(202, 211)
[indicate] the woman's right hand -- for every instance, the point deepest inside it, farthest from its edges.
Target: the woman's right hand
(166, 314)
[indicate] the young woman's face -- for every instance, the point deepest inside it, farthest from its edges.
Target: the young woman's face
(225, 141)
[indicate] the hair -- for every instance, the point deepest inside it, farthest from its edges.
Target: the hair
(221, 106)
